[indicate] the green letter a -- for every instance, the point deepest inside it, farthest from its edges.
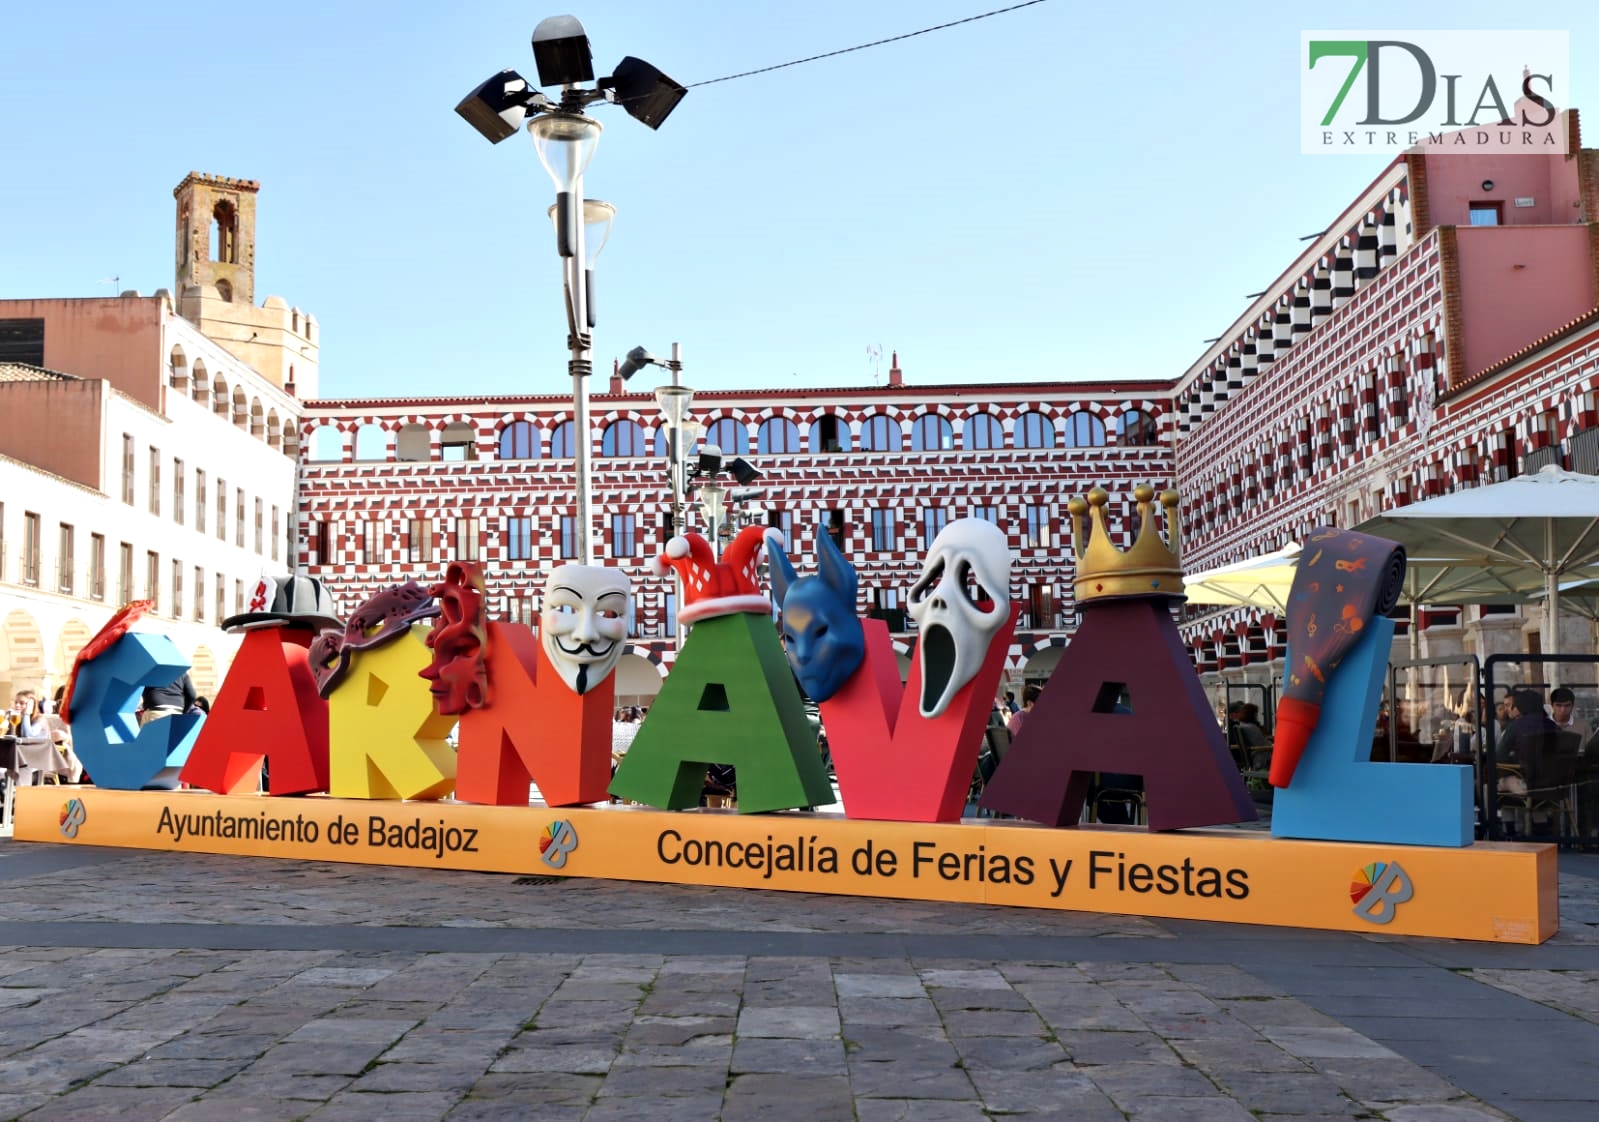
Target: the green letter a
(730, 699)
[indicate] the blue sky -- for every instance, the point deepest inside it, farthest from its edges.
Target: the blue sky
(1067, 191)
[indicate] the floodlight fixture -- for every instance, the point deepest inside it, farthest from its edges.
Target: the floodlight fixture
(637, 359)
(499, 106)
(644, 92)
(710, 459)
(744, 473)
(561, 50)
(745, 494)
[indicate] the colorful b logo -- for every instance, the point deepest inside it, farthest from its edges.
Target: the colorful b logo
(72, 816)
(559, 839)
(1378, 889)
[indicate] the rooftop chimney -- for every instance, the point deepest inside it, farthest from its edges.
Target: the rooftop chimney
(616, 376)
(896, 377)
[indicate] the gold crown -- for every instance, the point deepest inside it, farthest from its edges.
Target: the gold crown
(1149, 568)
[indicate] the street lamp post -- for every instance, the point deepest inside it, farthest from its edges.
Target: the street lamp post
(565, 139)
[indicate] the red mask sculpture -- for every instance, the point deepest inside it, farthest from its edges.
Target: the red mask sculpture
(387, 615)
(459, 641)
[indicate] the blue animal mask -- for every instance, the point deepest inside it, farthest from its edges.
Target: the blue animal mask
(822, 635)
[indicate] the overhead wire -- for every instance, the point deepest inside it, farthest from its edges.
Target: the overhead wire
(865, 46)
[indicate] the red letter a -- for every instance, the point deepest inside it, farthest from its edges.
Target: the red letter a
(268, 709)
(908, 768)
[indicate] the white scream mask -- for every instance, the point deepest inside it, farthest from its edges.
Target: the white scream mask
(583, 622)
(969, 562)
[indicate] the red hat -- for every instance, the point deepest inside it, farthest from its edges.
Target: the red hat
(712, 587)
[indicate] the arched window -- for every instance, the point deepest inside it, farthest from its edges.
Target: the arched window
(1034, 430)
(931, 433)
(882, 434)
(225, 236)
(982, 431)
(623, 438)
(327, 443)
(458, 441)
(1136, 429)
(777, 436)
(731, 436)
(829, 434)
(370, 443)
(411, 444)
(519, 440)
(563, 441)
(1084, 430)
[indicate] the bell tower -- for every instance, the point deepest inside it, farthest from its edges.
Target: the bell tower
(216, 235)
(216, 285)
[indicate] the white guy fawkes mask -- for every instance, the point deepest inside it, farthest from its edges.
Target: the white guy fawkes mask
(969, 561)
(583, 622)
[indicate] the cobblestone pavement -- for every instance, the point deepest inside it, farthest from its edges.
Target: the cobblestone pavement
(194, 988)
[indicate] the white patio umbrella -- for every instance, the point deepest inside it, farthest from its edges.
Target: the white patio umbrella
(1526, 538)
(1260, 582)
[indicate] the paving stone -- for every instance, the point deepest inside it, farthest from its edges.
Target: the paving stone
(1019, 1092)
(1009, 1053)
(908, 1081)
(813, 1022)
(1286, 1092)
(539, 1087)
(879, 985)
(114, 1104)
(349, 1030)
(888, 1011)
(1161, 1109)
(322, 1058)
(390, 1077)
(579, 1058)
(1327, 1043)
(496, 1110)
(655, 1108)
(1116, 1047)
(985, 979)
(804, 1098)
(235, 1109)
(872, 1044)
(1128, 1081)
(173, 1073)
(994, 1022)
(754, 1054)
(413, 1106)
(919, 1110)
(1391, 1080)
(282, 1085)
(676, 1030)
(687, 1079)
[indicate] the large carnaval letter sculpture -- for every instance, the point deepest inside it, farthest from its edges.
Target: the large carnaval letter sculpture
(904, 754)
(551, 699)
(730, 698)
(1124, 697)
(107, 680)
(1342, 582)
(268, 710)
(390, 736)
(1339, 642)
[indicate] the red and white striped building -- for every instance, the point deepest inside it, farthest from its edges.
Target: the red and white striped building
(390, 489)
